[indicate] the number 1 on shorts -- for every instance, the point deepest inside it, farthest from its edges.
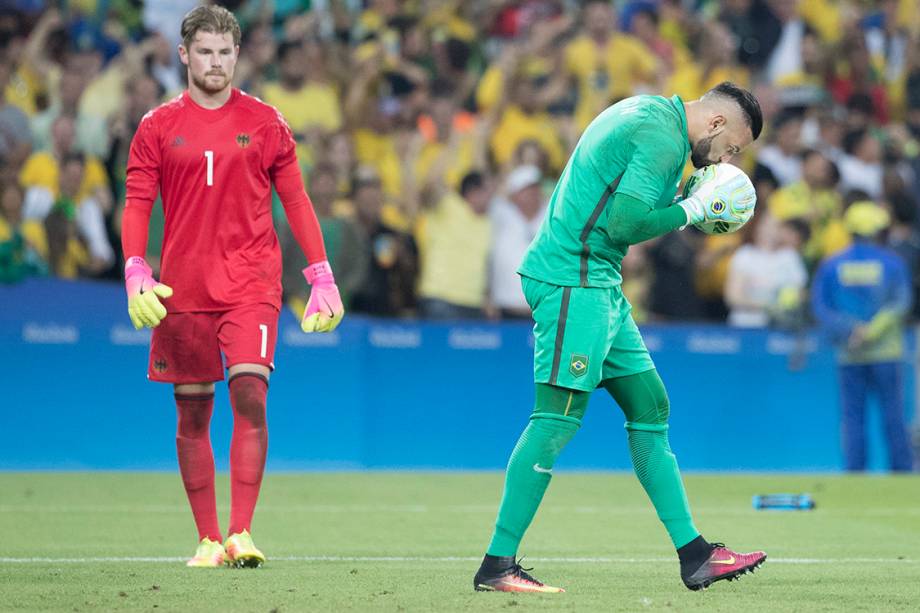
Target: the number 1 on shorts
(264, 329)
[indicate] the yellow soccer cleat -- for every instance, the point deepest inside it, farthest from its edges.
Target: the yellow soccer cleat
(210, 554)
(241, 552)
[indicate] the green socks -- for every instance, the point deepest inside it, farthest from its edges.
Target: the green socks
(657, 470)
(555, 421)
(645, 403)
(528, 475)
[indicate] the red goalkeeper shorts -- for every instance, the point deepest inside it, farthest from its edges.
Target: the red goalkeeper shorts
(187, 347)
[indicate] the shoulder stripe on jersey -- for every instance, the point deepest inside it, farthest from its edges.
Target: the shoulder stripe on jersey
(560, 334)
(589, 226)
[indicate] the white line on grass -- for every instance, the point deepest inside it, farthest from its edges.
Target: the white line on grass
(379, 559)
(418, 508)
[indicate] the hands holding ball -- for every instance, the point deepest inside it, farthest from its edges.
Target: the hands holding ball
(718, 199)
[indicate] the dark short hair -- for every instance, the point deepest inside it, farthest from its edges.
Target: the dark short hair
(861, 103)
(763, 173)
(472, 180)
(73, 157)
(441, 88)
(852, 140)
(286, 47)
(753, 116)
(800, 227)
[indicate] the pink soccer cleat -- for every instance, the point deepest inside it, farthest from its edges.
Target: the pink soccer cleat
(723, 563)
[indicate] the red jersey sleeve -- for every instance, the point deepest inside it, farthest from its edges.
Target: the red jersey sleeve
(142, 185)
(283, 162)
(285, 173)
(143, 177)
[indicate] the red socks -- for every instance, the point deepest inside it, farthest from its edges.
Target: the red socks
(247, 447)
(196, 460)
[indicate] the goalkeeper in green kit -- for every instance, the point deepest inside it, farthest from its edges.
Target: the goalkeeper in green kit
(618, 189)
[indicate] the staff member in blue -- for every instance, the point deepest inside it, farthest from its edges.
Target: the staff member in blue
(861, 297)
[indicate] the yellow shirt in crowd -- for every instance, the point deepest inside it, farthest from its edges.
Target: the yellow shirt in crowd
(41, 169)
(516, 126)
(460, 164)
(454, 245)
(313, 105)
(822, 210)
(689, 82)
(379, 151)
(623, 63)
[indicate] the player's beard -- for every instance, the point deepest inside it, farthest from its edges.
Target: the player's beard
(207, 87)
(699, 152)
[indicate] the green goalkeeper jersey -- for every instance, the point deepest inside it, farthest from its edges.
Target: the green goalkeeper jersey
(637, 147)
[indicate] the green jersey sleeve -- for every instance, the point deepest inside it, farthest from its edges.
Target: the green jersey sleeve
(655, 155)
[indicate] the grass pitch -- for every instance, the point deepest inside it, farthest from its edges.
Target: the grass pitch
(412, 541)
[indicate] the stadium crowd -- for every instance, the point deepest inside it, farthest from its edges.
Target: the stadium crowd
(431, 134)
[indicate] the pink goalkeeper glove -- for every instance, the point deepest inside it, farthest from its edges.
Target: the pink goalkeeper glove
(324, 309)
(144, 294)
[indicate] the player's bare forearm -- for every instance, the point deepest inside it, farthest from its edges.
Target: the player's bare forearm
(633, 221)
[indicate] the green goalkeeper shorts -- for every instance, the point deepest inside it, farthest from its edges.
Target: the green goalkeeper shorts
(583, 335)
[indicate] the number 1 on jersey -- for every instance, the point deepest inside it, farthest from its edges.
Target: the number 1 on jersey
(210, 156)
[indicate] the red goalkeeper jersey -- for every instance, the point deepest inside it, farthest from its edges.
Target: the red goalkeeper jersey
(214, 170)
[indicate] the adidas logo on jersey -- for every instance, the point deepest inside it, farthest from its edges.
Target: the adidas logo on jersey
(178, 141)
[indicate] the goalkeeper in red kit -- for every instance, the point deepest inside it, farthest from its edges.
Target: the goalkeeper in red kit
(213, 154)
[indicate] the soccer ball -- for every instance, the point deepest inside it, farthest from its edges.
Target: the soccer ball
(723, 173)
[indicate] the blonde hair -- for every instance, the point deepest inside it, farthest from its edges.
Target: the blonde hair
(211, 18)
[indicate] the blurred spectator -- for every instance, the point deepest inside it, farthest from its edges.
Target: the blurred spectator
(781, 31)
(373, 118)
(814, 200)
(15, 135)
(509, 91)
(636, 281)
(454, 242)
(346, 245)
(644, 26)
(74, 184)
(672, 295)
(21, 241)
(91, 137)
(904, 239)
(452, 144)
(764, 269)
(606, 64)
(393, 255)
(163, 62)
(712, 262)
(861, 165)
(28, 54)
(831, 130)
(856, 84)
(256, 64)
(782, 156)
(338, 151)
(860, 297)
(711, 65)
(516, 216)
(303, 93)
